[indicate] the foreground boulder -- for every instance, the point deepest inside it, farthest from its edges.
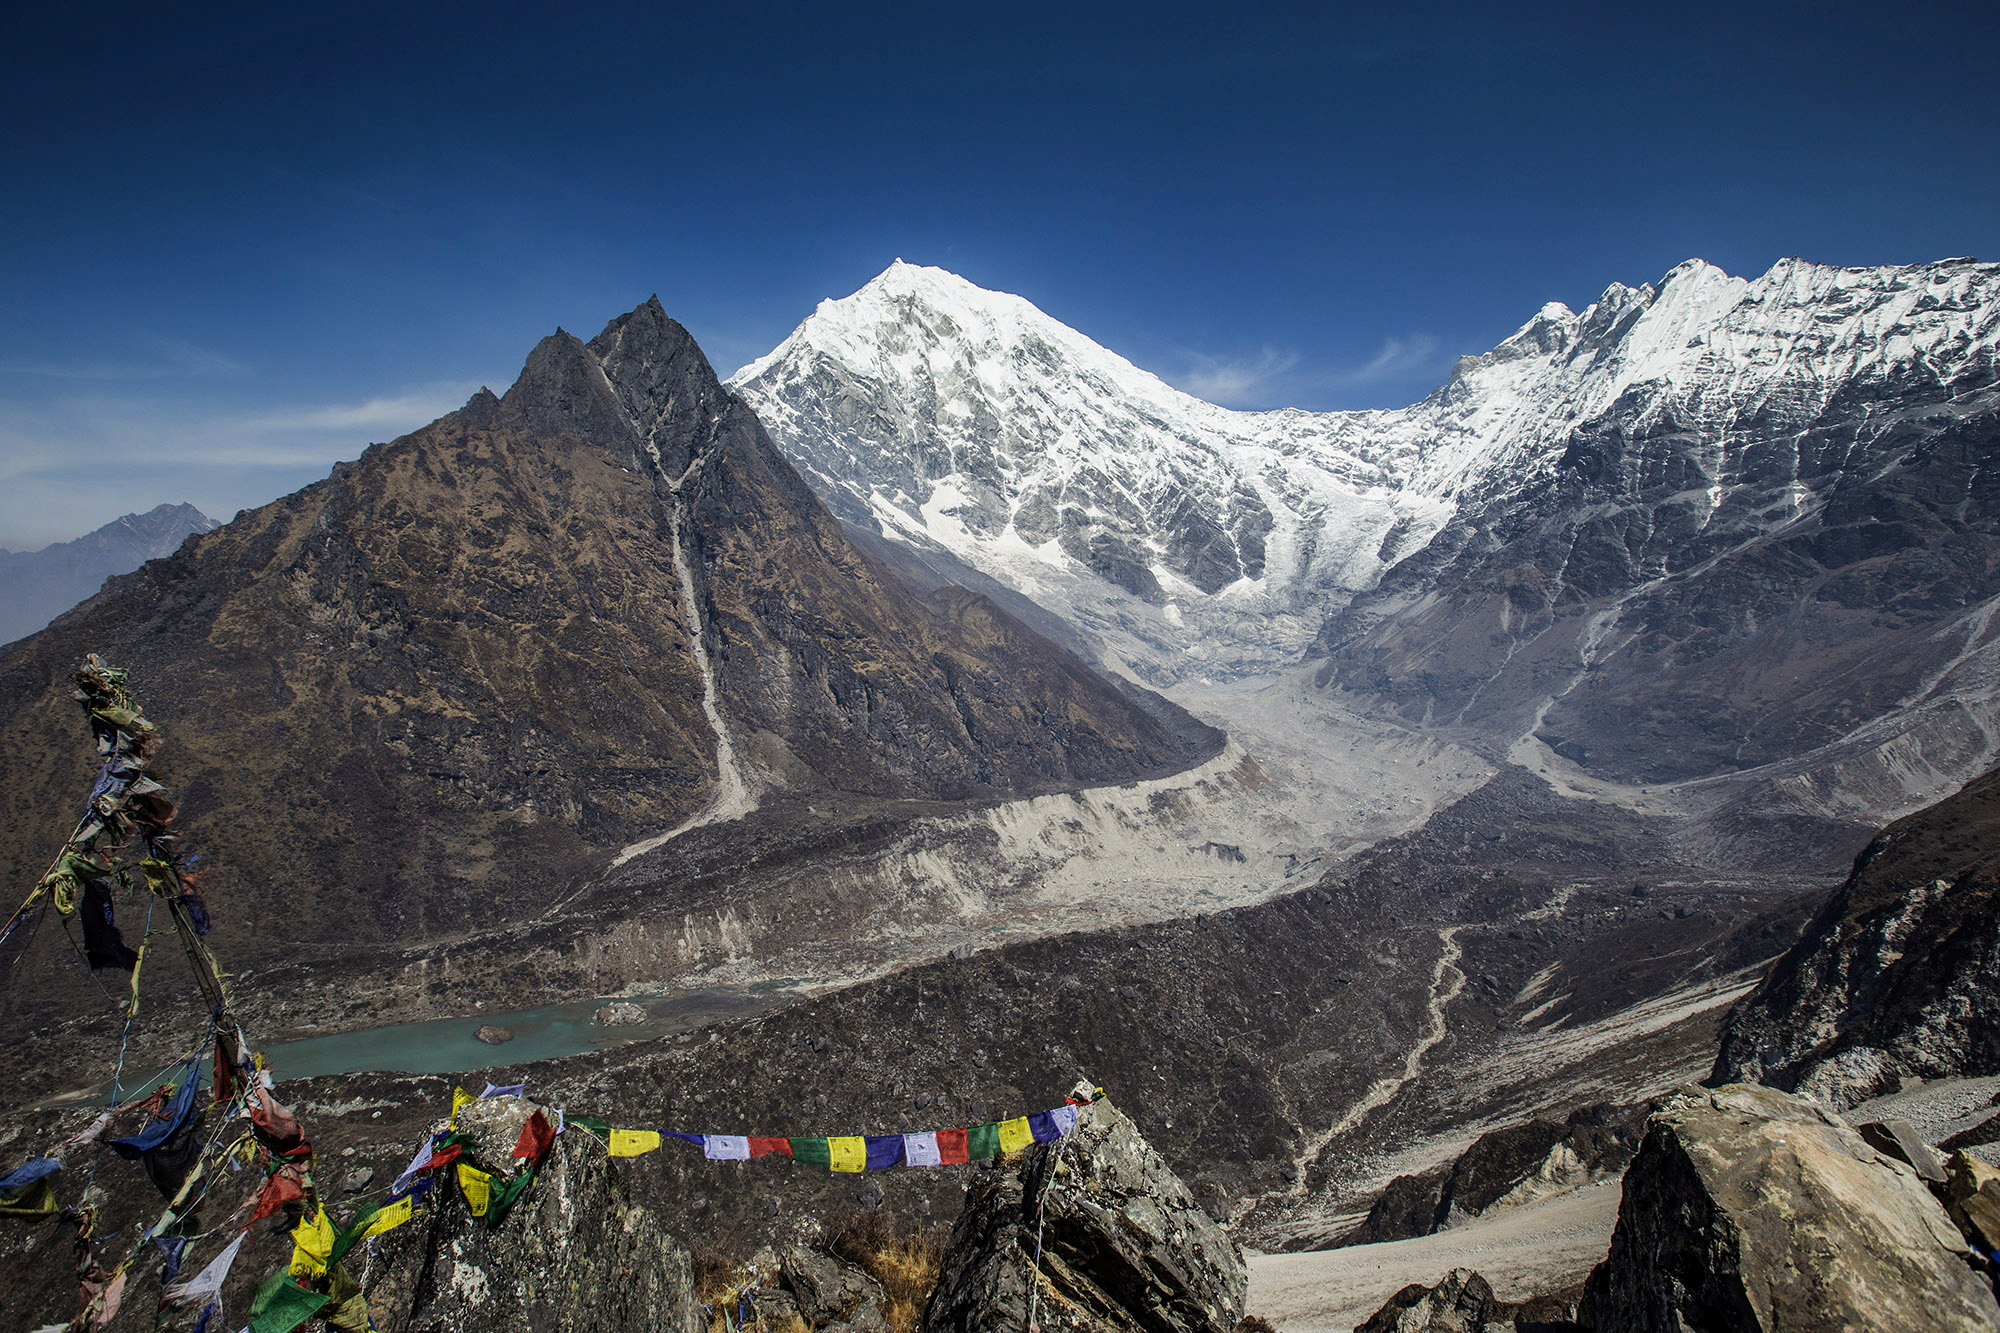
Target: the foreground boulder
(1749, 1209)
(574, 1255)
(1124, 1244)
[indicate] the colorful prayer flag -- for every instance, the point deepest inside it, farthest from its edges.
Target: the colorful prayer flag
(537, 1137)
(477, 1187)
(312, 1244)
(847, 1152)
(1065, 1118)
(811, 1152)
(884, 1151)
(954, 1147)
(725, 1148)
(1015, 1134)
(459, 1097)
(982, 1142)
(208, 1282)
(390, 1216)
(633, 1142)
(922, 1149)
(765, 1147)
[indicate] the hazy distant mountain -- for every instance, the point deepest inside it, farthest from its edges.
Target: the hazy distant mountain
(1702, 527)
(38, 586)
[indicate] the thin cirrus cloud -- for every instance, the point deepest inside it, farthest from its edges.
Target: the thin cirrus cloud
(1274, 375)
(70, 465)
(154, 358)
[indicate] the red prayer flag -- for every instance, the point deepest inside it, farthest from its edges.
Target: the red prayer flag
(281, 1133)
(278, 1191)
(765, 1147)
(951, 1147)
(536, 1138)
(442, 1159)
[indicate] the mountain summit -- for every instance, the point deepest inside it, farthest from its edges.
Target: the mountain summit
(470, 667)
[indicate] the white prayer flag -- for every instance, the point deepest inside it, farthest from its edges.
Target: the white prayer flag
(208, 1282)
(725, 1147)
(921, 1149)
(1065, 1118)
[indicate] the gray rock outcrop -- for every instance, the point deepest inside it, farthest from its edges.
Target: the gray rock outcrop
(576, 1254)
(1124, 1244)
(1750, 1209)
(1463, 1302)
(1894, 976)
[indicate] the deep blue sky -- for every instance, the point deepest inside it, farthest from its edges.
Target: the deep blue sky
(241, 243)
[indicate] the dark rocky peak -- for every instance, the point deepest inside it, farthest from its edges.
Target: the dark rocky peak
(663, 381)
(562, 391)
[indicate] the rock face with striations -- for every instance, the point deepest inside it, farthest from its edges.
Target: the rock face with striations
(465, 670)
(1125, 1246)
(1749, 1209)
(1897, 976)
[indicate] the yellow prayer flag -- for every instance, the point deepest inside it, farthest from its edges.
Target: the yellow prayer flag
(477, 1187)
(849, 1153)
(459, 1097)
(1015, 1134)
(391, 1217)
(632, 1142)
(312, 1244)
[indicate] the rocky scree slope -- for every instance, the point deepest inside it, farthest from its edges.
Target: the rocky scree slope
(1897, 975)
(437, 689)
(1703, 525)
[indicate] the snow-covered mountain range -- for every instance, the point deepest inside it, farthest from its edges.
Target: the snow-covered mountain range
(1581, 493)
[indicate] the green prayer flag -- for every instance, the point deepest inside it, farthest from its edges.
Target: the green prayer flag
(981, 1142)
(812, 1152)
(601, 1128)
(281, 1306)
(346, 1239)
(505, 1195)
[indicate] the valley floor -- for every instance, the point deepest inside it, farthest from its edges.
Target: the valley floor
(1523, 1252)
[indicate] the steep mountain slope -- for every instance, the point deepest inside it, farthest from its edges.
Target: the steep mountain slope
(1701, 527)
(1897, 976)
(433, 691)
(37, 586)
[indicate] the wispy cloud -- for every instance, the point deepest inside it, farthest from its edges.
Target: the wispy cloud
(155, 358)
(1240, 381)
(70, 464)
(1273, 376)
(1398, 357)
(401, 412)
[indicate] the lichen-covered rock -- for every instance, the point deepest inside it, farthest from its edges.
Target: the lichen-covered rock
(1750, 1209)
(1124, 1244)
(575, 1255)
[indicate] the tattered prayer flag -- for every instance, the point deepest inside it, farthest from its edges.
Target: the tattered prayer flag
(278, 1191)
(23, 1176)
(281, 1306)
(847, 1152)
(459, 1097)
(601, 1128)
(884, 1151)
(725, 1147)
(208, 1282)
(953, 1149)
(389, 1217)
(416, 1166)
(982, 1142)
(811, 1152)
(505, 1195)
(1015, 1134)
(922, 1149)
(1065, 1118)
(633, 1142)
(312, 1244)
(765, 1147)
(477, 1187)
(537, 1137)
(510, 1090)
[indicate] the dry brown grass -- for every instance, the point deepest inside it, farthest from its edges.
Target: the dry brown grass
(906, 1263)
